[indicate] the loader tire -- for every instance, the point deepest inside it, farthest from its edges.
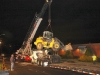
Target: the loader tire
(39, 46)
(56, 46)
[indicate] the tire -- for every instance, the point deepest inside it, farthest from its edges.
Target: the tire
(39, 46)
(58, 58)
(55, 59)
(39, 63)
(51, 61)
(56, 46)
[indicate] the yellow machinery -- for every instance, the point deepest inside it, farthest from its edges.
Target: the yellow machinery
(47, 41)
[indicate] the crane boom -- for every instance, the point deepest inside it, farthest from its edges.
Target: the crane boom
(26, 46)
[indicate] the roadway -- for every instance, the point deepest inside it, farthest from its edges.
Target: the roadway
(24, 68)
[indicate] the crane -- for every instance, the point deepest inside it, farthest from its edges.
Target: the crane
(27, 43)
(47, 41)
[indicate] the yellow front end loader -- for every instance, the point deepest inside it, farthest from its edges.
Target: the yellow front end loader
(47, 42)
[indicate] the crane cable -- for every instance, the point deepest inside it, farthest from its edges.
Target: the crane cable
(49, 19)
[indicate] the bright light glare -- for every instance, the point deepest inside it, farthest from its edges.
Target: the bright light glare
(0, 42)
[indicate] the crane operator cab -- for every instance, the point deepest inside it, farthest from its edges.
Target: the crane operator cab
(47, 35)
(47, 41)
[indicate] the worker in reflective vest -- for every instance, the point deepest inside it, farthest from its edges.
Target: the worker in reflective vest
(94, 59)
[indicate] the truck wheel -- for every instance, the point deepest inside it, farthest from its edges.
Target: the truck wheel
(39, 46)
(41, 63)
(56, 46)
(38, 63)
(58, 59)
(55, 59)
(50, 62)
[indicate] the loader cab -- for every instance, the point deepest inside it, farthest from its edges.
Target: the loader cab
(47, 35)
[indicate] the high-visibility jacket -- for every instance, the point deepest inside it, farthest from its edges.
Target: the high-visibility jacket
(94, 58)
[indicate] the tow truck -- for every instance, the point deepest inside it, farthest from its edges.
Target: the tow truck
(47, 46)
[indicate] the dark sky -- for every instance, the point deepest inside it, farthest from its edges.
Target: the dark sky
(75, 21)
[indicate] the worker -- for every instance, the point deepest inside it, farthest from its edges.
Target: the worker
(12, 60)
(94, 58)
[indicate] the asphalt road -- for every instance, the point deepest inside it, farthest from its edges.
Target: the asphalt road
(24, 68)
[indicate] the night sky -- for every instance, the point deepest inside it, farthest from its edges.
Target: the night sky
(74, 21)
